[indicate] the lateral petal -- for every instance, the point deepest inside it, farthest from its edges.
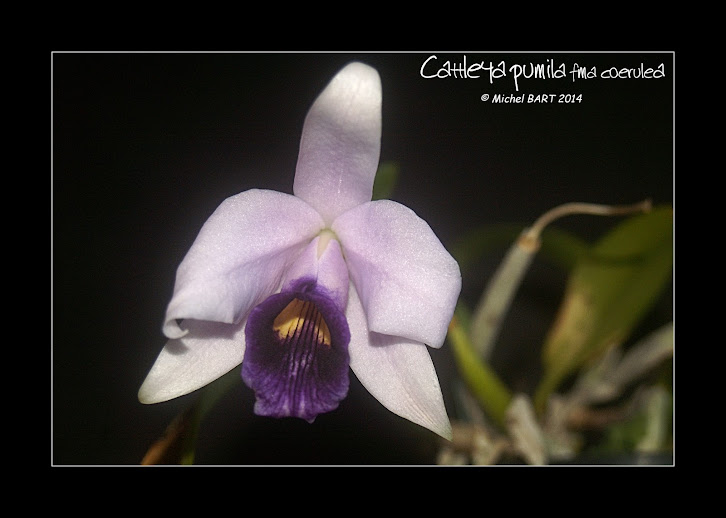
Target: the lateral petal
(239, 256)
(208, 351)
(406, 280)
(397, 372)
(340, 145)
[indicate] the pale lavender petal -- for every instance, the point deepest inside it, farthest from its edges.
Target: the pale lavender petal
(332, 271)
(323, 261)
(397, 372)
(208, 351)
(340, 144)
(407, 282)
(239, 257)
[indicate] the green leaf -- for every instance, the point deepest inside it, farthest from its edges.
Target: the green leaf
(386, 179)
(608, 292)
(490, 392)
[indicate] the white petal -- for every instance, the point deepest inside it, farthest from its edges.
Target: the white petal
(398, 373)
(341, 142)
(407, 281)
(323, 261)
(239, 257)
(333, 273)
(208, 351)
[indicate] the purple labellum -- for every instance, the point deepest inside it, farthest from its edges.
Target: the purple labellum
(296, 359)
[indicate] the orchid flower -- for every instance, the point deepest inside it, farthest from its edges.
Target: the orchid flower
(298, 288)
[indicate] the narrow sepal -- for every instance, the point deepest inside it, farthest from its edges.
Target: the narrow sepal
(206, 352)
(397, 372)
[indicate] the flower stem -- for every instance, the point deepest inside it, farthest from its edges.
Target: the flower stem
(502, 287)
(593, 209)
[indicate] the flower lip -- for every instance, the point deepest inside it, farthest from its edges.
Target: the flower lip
(297, 359)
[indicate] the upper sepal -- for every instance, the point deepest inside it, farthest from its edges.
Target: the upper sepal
(340, 144)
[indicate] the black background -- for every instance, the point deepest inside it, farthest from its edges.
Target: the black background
(146, 145)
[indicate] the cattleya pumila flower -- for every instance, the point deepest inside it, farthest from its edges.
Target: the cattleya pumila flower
(297, 288)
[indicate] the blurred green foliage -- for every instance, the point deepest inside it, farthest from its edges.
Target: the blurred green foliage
(609, 290)
(612, 284)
